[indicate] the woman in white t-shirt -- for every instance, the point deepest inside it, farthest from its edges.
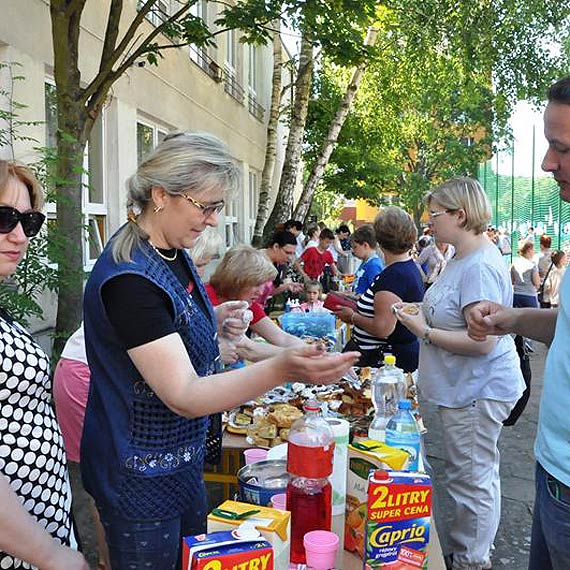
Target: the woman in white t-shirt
(475, 385)
(525, 277)
(554, 275)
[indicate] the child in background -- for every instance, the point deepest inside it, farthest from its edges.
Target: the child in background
(313, 291)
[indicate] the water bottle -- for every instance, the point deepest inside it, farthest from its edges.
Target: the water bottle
(403, 432)
(310, 451)
(388, 388)
(287, 307)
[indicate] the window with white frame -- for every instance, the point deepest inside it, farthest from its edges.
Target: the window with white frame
(231, 223)
(253, 202)
(148, 136)
(159, 13)
(255, 108)
(94, 203)
(198, 54)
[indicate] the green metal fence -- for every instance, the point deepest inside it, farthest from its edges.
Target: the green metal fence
(520, 203)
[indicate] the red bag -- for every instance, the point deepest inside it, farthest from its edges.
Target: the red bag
(335, 301)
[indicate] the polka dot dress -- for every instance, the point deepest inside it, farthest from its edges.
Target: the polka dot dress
(31, 447)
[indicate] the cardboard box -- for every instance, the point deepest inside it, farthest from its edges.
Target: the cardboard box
(398, 520)
(363, 457)
(228, 550)
(274, 525)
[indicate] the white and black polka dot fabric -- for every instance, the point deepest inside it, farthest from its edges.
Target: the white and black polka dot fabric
(32, 455)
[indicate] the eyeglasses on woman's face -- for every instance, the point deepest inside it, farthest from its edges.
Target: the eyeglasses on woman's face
(206, 209)
(436, 213)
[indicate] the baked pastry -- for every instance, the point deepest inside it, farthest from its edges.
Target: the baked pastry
(411, 309)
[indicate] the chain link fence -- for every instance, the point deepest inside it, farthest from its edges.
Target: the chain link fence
(525, 206)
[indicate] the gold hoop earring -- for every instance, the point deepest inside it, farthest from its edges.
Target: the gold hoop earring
(157, 209)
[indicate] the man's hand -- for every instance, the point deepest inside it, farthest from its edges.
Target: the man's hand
(488, 318)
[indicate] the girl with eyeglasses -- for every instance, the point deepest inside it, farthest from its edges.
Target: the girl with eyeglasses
(35, 497)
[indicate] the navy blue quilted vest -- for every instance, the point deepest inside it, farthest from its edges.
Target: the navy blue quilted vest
(138, 458)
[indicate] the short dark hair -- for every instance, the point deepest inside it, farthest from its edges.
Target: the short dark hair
(343, 228)
(282, 238)
(293, 224)
(326, 234)
(365, 234)
(559, 92)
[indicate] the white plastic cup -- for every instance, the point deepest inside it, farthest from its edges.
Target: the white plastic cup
(254, 454)
(279, 501)
(320, 549)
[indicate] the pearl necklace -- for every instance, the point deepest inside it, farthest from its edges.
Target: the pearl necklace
(165, 257)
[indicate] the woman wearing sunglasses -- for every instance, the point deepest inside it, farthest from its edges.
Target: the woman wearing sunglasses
(151, 339)
(474, 384)
(35, 498)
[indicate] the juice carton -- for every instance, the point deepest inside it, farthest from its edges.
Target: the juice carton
(274, 526)
(398, 520)
(240, 549)
(363, 457)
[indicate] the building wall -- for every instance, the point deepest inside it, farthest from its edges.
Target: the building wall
(181, 93)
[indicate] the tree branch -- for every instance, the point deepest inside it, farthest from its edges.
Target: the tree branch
(112, 30)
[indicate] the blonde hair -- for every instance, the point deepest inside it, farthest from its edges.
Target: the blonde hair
(241, 267)
(207, 244)
(395, 230)
(11, 169)
(524, 247)
(464, 193)
(182, 162)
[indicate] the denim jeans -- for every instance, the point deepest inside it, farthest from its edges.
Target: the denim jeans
(550, 539)
(155, 544)
(525, 301)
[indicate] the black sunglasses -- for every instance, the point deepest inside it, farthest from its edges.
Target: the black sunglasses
(31, 221)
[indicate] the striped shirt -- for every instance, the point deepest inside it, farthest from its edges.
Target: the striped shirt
(402, 278)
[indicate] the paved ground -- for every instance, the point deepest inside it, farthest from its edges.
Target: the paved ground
(517, 475)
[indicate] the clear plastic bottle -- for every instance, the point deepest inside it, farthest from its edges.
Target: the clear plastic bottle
(310, 452)
(403, 432)
(388, 388)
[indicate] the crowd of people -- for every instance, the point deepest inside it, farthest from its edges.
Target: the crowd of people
(161, 351)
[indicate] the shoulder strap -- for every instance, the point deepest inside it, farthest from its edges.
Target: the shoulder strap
(541, 288)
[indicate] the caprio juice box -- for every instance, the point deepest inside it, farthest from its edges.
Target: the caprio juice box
(227, 550)
(398, 520)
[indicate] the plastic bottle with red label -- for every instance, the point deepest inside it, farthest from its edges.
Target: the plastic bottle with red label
(310, 452)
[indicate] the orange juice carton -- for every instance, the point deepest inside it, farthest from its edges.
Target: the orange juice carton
(365, 456)
(398, 520)
(274, 526)
(242, 548)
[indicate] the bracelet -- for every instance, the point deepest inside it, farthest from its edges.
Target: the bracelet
(352, 318)
(427, 331)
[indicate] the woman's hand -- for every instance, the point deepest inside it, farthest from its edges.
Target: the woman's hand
(230, 318)
(411, 316)
(310, 363)
(228, 351)
(345, 314)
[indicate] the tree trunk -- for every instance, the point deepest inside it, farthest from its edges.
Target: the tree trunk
(302, 208)
(73, 127)
(271, 144)
(284, 200)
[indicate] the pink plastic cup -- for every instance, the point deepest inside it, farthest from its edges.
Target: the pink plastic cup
(279, 501)
(254, 454)
(320, 548)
